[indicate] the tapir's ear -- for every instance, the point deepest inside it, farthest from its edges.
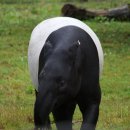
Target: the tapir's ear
(47, 47)
(73, 50)
(74, 47)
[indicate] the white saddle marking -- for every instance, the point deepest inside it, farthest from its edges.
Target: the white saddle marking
(41, 33)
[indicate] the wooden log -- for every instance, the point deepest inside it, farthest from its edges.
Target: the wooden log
(120, 13)
(72, 11)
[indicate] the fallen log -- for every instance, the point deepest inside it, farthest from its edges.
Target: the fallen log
(120, 13)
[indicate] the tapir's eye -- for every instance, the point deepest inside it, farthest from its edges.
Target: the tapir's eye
(62, 82)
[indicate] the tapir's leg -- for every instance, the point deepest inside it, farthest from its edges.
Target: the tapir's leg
(90, 116)
(89, 98)
(63, 116)
(89, 102)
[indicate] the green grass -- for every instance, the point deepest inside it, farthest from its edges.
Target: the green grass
(16, 91)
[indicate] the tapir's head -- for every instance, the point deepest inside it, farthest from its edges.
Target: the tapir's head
(61, 70)
(57, 79)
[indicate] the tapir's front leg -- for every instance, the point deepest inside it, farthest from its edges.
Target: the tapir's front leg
(89, 105)
(90, 117)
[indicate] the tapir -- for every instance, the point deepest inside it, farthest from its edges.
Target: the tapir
(65, 60)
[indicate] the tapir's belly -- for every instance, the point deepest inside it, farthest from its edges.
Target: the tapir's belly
(40, 34)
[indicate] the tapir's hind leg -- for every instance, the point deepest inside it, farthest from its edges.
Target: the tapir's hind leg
(63, 116)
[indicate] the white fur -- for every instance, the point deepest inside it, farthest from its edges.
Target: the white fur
(41, 33)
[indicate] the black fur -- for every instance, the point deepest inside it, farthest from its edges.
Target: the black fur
(68, 75)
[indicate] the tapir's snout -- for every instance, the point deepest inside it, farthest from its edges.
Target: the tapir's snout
(51, 95)
(44, 103)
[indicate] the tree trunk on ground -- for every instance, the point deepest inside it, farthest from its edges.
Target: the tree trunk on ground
(120, 13)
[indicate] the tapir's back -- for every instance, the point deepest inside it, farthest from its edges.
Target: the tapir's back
(40, 34)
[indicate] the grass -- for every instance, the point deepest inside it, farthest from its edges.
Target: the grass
(16, 91)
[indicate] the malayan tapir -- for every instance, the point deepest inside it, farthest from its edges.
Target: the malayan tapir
(65, 61)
